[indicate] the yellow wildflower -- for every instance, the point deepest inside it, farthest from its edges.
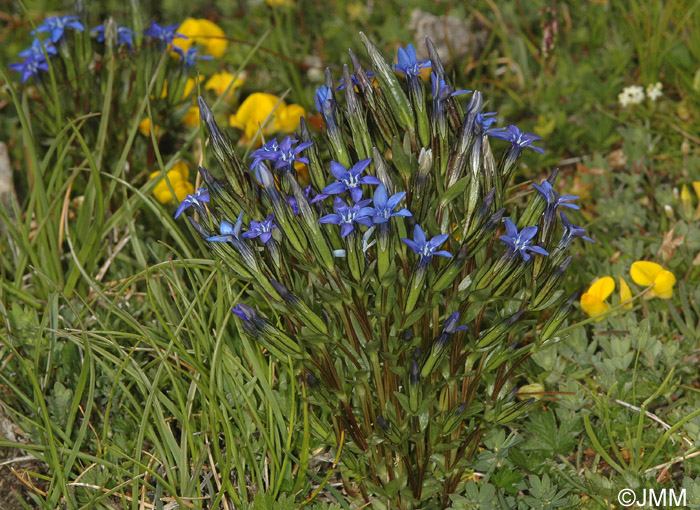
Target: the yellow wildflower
(593, 300)
(286, 119)
(219, 82)
(650, 273)
(178, 176)
(257, 107)
(203, 32)
(191, 118)
(145, 127)
(625, 293)
(190, 84)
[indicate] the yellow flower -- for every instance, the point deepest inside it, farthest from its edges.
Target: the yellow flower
(625, 293)
(287, 119)
(177, 176)
(191, 118)
(219, 82)
(190, 84)
(257, 107)
(650, 273)
(593, 301)
(145, 127)
(203, 32)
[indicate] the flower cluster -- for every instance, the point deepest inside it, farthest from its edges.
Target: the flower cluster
(634, 94)
(176, 38)
(35, 57)
(395, 266)
(660, 283)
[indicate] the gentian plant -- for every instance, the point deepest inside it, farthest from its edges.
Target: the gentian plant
(398, 284)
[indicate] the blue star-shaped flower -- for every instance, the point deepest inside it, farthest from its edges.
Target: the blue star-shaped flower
(30, 66)
(228, 233)
(519, 242)
(124, 35)
(425, 249)
(288, 155)
(56, 26)
(553, 198)
(408, 62)
(35, 49)
(384, 205)
(350, 179)
(571, 232)
(165, 34)
(189, 59)
(485, 120)
(201, 196)
(341, 86)
(261, 229)
(268, 152)
(441, 92)
(517, 138)
(346, 216)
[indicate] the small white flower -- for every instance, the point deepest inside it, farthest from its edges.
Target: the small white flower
(631, 95)
(654, 91)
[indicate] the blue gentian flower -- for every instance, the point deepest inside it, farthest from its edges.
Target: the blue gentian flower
(519, 242)
(165, 34)
(571, 232)
(56, 26)
(252, 322)
(425, 249)
(449, 328)
(384, 206)
(288, 155)
(293, 201)
(324, 100)
(517, 138)
(369, 74)
(441, 92)
(408, 62)
(201, 196)
(189, 59)
(30, 66)
(283, 154)
(261, 229)
(346, 216)
(350, 179)
(244, 312)
(124, 35)
(269, 151)
(553, 198)
(485, 120)
(228, 233)
(35, 49)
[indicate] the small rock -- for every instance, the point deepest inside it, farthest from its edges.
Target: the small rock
(453, 37)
